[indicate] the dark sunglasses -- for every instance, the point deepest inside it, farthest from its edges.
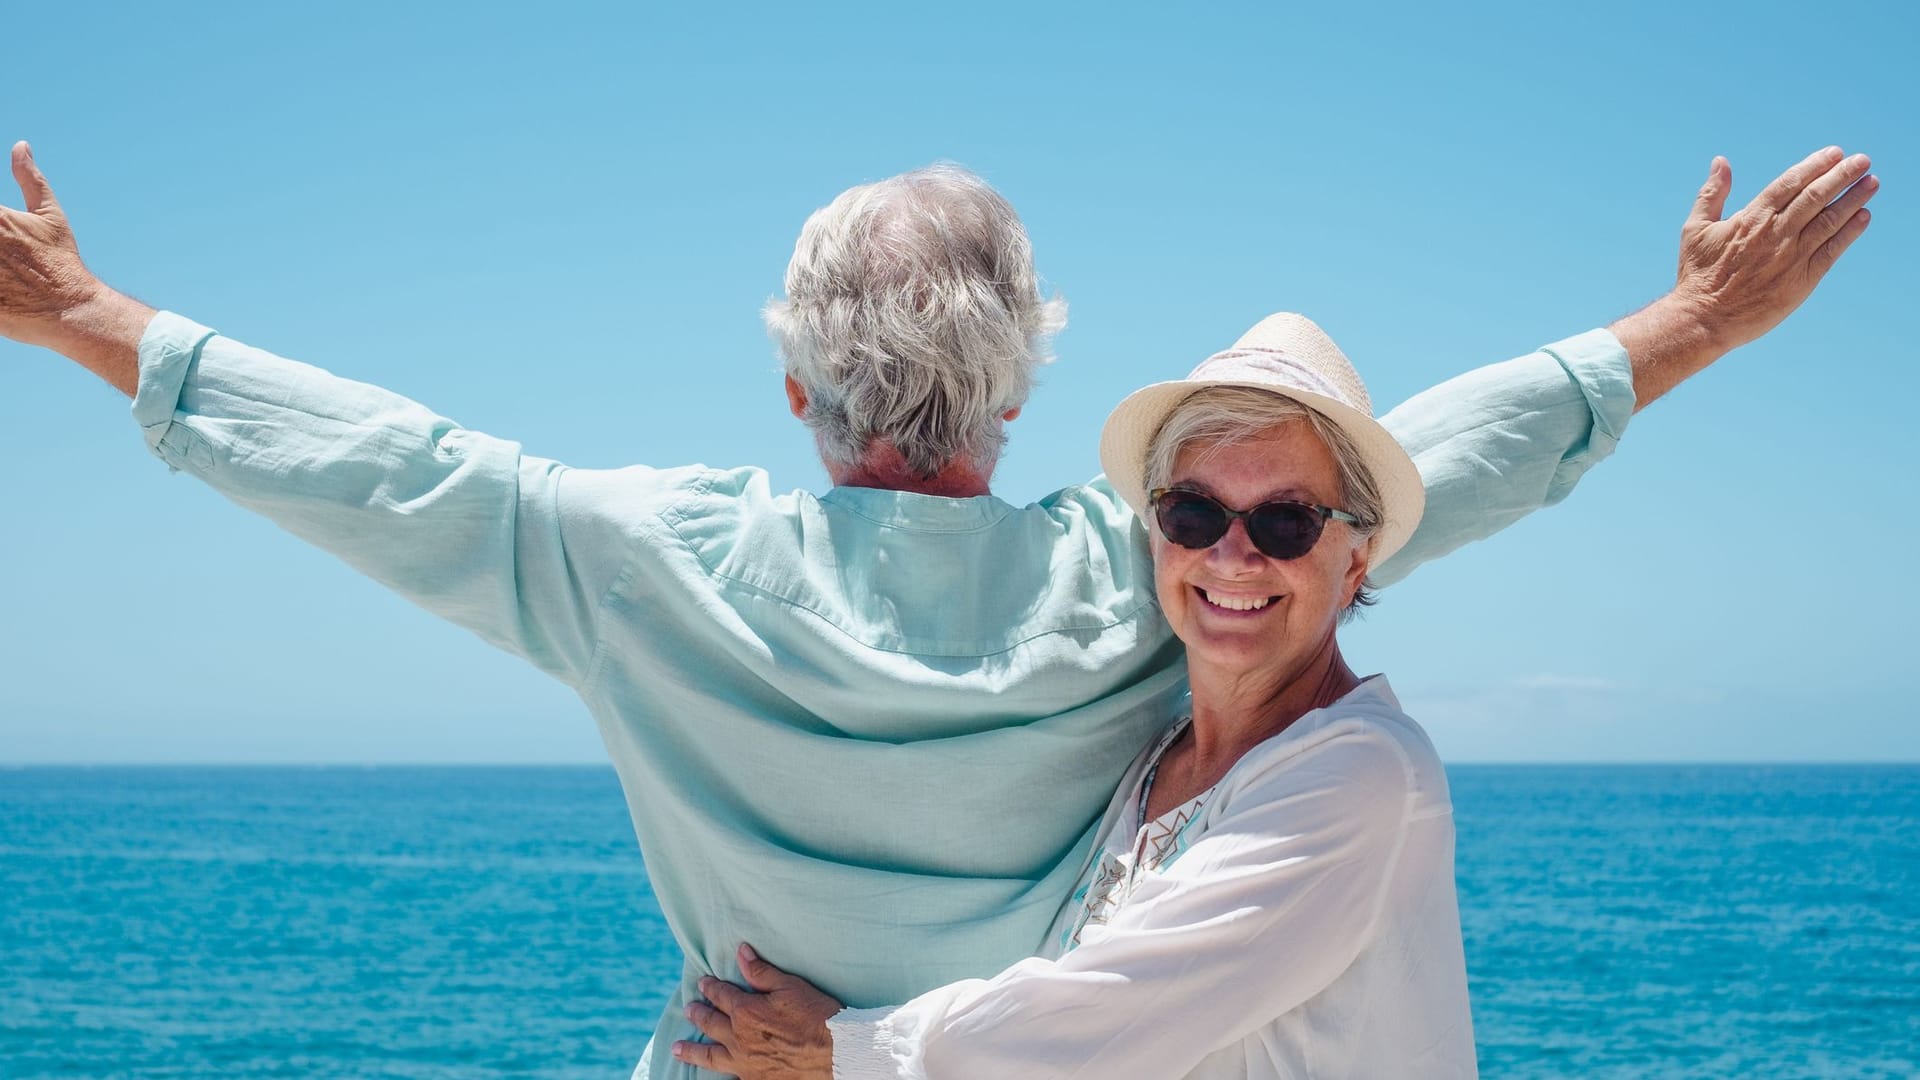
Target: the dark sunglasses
(1281, 530)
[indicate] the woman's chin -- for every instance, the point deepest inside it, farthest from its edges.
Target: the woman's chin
(1232, 644)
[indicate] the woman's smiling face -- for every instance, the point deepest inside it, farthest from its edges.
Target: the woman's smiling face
(1236, 609)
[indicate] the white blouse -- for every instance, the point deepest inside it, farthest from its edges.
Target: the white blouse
(1296, 921)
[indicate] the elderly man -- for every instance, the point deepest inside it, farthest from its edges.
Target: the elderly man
(821, 708)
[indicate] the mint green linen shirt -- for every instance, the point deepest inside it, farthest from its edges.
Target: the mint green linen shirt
(871, 732)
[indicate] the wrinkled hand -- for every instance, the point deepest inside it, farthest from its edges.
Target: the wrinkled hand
(776, 1033)
(42, 279)
(1745, 274)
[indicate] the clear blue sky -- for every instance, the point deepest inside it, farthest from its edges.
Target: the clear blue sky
(557, 224)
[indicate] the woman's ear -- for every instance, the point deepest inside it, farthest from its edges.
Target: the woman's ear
(1356, 572)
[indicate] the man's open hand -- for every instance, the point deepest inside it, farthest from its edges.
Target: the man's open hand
(49, 297)
(1741, 276)
(1750, 271)
(41, 275)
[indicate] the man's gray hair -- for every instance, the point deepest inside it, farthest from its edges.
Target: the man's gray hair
(1222, 416)
(914, 316)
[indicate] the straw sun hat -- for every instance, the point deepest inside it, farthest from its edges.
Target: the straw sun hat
(1288, 355)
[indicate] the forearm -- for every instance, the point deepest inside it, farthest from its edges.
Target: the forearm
(1497, 443)
(102, 335)
(1667, 342)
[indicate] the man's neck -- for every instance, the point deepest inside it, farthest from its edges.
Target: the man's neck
(882, 467)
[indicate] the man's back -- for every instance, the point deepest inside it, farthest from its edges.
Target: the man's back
(821, 708)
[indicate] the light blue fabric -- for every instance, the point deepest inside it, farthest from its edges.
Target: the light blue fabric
(870, 732)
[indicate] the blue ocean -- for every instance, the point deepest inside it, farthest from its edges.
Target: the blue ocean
(1711, 921)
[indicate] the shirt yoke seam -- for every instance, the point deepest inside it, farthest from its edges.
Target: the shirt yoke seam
(1127, 616)
(981, 527)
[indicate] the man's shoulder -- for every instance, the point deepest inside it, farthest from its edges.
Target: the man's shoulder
(1097, 491)
(1097, 505)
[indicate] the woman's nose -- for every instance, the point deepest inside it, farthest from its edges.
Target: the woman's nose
(1234, 553)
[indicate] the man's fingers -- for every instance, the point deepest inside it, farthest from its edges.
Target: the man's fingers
(712, 1023)
(1828, 222)
(710, 1056)
(759, 974)
(1831, 251)
(1824, 189)
(33, 183)
(724, 995)
(1775, 197)
(1712, 200)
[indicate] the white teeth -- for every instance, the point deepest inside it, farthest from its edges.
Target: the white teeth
(1236, 603)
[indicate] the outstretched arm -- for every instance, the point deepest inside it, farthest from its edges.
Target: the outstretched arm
(1500, 442)
(517, 549)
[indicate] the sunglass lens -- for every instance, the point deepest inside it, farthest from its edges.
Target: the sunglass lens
(1191, 520)
(1284, 530)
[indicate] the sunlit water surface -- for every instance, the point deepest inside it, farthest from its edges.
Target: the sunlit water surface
(420, 922)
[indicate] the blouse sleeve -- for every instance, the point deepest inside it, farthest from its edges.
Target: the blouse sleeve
(1262, 913)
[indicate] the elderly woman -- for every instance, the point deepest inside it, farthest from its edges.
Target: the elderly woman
(1273, 893)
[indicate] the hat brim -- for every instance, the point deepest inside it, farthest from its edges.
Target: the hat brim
(1130, 429)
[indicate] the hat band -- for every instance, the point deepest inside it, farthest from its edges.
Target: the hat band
(1267, 361)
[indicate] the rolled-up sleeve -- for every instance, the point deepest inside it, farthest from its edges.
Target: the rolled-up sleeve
(1289, 884)
(1500, 442)
(458, 522)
